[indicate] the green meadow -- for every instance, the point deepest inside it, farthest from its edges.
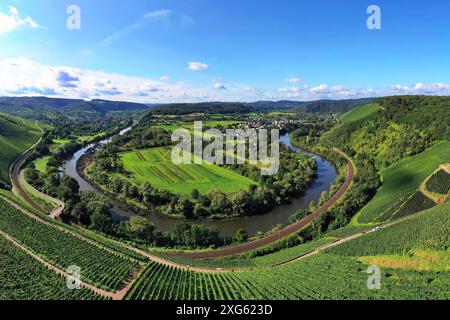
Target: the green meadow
(360, 112)
(16, 136)
(404, 177)
(155, 166)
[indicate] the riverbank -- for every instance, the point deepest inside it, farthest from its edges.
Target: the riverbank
(326, 176)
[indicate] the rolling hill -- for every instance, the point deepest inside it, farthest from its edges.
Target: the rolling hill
(16, 136)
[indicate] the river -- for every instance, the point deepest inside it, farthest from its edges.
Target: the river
(326, 176)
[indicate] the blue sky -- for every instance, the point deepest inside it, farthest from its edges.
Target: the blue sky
(202, 50)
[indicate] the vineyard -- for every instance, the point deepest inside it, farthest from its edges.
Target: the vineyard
(416, 203)
(24, 278)
(405, 206)
(439, 183)
(425, 231)
(91, 235)
(322, 276)
(99, 266)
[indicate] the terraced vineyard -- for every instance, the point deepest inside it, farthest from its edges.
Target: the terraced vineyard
(89, 234)
(416, 203)
(439, 183)
(98, 266)
(24, 278)
(428, 230)
(322, 276)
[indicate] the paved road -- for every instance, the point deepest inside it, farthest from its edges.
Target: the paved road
(293, 228)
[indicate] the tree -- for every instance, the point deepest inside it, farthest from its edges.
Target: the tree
(141, 228)
(181, 232)
(241, 236)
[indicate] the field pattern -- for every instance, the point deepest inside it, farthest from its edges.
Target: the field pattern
(24, 278)
(403, 178)
(98, 266)
(428, 230)
(360, 112)
(322, 276)
(156, 167)
(416, 203)
(439, 183)
(16, 136)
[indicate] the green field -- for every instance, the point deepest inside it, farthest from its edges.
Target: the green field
(41, 164)
(360, 112)
(322, 276)
(425, 235)
(403, 178)
(16, 136)
(155, 166)
(24, 278)
(99, 266)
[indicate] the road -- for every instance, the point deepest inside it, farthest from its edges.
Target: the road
(19, 184)
(293, 228)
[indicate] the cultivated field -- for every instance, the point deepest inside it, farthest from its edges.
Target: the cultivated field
(361, 112)
(99, 266)
(403, 178)
(155, 166)
(16, 136)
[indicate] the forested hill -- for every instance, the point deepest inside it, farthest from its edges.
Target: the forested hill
(30, 106)
(330, 106)
(321, 106)
(405, 125)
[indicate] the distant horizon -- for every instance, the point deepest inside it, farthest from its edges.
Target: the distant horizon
(200, 102)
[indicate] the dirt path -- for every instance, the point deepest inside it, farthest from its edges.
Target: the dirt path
(282, 233)
(438, 199)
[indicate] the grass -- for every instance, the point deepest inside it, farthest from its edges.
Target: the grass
(41, 164)
(419, 260)
(402, 178)
(16, 136)
(360, 112)
(155, 166)
(428, 230)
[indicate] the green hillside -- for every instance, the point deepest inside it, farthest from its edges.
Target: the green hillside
(360, 112)
(16, 136)
(403, 178)
(419, 243)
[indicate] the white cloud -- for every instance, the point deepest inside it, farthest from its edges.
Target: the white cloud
(158, 14)
(25, 77)
(219, 86)
(291, 89)
(137, 25)
(292, 80)
(12, 21)
(197, 66)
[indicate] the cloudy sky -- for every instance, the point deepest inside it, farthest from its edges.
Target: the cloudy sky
(230, 50)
